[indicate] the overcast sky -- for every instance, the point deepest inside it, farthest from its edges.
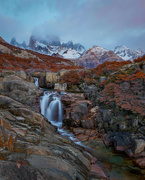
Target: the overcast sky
(106, 23)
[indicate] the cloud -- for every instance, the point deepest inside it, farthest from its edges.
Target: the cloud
(90, 22)
(9, 27)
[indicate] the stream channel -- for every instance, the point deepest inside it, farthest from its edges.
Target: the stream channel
(115, 165)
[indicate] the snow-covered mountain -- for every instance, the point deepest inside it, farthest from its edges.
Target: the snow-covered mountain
(52, 46)
(15, 43)
(71, 54)
(96, 55)
(88, 58)
(78, 47)
(127, 53)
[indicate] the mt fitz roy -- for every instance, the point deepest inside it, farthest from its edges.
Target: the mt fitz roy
(76, 52)
(52, 46)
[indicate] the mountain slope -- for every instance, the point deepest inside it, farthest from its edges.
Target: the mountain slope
(127, 53)
(15, 58)
(97, 55)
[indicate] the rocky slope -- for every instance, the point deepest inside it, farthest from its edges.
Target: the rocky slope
(127, 53)
(16, 58)
(96, 55)
(31, 148)
(117, 111)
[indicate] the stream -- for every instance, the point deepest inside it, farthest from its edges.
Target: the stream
(116, 166)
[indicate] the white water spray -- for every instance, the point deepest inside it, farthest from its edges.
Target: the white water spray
(51, 108)
(36, 81)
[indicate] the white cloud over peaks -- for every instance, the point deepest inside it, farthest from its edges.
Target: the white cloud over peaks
(90, 22)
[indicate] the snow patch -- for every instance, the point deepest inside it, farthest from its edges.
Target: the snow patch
(127, 53)
(71, 54)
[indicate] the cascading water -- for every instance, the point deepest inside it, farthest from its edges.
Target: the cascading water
(36, 81)
(51, 108)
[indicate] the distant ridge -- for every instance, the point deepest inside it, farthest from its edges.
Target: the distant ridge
(52, 46)
(96, 55)
(127, 53)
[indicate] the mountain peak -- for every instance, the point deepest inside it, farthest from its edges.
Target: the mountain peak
(13, 41)
(96, 50)
(96, 55)
(78, 47)
(32, 42)
(127, 53)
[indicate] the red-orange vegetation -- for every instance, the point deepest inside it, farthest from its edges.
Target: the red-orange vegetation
(72, 77)
(41, 62)
(123, 88)
(109, 67)
(138, 75)
(139, 59)
(129, 95)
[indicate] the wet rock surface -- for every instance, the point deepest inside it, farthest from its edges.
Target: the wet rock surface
(31, 148)
(25, 131)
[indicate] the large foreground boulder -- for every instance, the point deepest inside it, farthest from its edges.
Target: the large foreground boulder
(20, 90)
(32, 149)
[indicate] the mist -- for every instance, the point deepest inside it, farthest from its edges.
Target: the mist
(89, 22)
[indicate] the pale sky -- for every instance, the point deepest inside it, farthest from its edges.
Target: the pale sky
(106, 23)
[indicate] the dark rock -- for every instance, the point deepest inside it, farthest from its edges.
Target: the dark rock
(106, 114)
(42, 81)
(11, 170)
(88, 124)
(120, 140)
(91, 93)
(142, 130)
(76, 108)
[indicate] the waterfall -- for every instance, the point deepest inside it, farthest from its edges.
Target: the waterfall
(44, 103)
(36, 81)
(51, 108)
